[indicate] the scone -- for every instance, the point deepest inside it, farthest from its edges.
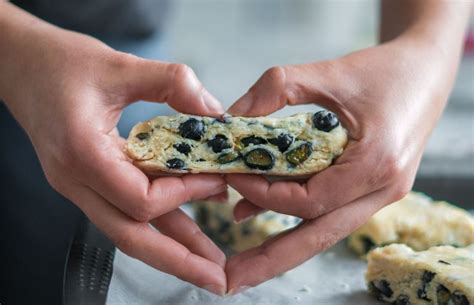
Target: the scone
(417, 221)
(293, 146)
(216, 220)
(440, 276)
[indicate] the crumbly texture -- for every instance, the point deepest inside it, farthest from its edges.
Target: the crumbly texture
(417, 221)
(216, 220)
(153, 145)
(442, 275)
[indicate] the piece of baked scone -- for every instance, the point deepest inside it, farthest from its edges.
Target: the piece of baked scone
(442, 275)
(417, 221)
(293, 146)
(217, 221)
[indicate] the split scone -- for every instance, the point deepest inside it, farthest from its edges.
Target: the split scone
(297, 145)
(217, 221)
(417, 221)
(442, 275)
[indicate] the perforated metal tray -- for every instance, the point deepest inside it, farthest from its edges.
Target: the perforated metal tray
(88, 268)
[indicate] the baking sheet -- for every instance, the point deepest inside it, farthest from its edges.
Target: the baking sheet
(333, 277)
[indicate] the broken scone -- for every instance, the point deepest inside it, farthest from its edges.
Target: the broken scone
(217, 221)
(440, 276)
(417, 221)
(297, 145)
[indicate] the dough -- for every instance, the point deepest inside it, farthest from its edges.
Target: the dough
(217, 221)
(442, 275)
(294, 146)
(416, 221)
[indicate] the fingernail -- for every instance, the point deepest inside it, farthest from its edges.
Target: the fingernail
(216, 289)
(240, 220)
(241, 107)
(238, 290)
(212, 103)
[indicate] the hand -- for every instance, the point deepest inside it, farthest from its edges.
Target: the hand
(389, 98)
(69, 98)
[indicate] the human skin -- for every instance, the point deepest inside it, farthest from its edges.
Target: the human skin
(389, 97)
(67, 91)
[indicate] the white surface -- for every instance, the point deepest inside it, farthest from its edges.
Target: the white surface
(335, 277)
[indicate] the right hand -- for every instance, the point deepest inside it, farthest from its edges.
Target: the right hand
(69, 98)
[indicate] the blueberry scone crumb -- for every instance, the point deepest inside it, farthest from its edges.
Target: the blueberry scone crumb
(297, 145)
(441, 275)
(417, 221)
(217, 221)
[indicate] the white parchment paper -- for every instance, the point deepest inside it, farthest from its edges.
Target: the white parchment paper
(335, 277)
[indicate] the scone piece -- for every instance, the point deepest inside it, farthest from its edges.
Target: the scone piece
(293, 146)
(440, 276)
(416, 221)
(216, 220)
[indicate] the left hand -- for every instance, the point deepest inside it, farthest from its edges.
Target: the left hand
(389, 98)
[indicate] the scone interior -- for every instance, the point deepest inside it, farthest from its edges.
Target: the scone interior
(216, 220)
(442, 275)
(417, 221)
(297, 145)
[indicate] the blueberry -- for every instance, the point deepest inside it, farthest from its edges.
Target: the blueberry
(299, 154)
(402, 300)
(143, 135)
(425, 280)
(175, 163)
(202, 215)
(368, 243)
(325, 120)
(192, 129)
(259, 158)
(253, 140)
(458, 298)
(228, 157)
(381, 288)
(283, 141)
(442, 295)
(219, 143)
(183, 148)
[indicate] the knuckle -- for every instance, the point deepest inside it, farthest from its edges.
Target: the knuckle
(276, 75)
(392, 167)
(181, 73)
(401, 189)
(126, 239)
(312, 210)
(144, 213)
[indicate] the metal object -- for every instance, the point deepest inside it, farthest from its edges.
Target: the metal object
(89, 267)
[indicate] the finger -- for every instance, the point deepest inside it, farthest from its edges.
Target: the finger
(220, 198)
(244, 210)
(341, 183)
(175, 84)
(108, 172)
(140, 241)
(180, 227)
(288, 85)
(295, 246)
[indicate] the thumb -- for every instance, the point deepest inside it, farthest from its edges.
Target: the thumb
(288, 85)
(175, 84)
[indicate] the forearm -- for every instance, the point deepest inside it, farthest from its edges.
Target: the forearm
(433, 31)
(441, 22)
(19, 31)
(36, 54)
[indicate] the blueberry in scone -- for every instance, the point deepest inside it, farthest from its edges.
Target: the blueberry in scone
(297, 145)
